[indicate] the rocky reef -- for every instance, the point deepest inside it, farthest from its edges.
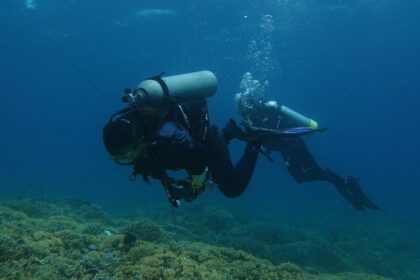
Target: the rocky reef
(71, 239)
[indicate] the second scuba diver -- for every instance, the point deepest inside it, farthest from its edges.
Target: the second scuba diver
(166, 127)
(299, 161)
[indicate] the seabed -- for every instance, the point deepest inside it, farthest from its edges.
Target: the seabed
(73, 239)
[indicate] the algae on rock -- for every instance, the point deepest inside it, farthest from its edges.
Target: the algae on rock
(55, 243)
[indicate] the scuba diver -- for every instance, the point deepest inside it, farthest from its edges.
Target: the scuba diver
(299, 161)
(166, 127)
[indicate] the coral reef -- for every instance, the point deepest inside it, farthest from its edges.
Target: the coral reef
(371, 244)
(144, 229)
(7, 248)
(66, 239)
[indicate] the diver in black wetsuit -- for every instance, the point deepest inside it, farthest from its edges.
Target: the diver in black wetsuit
(166, 127)
(181, 139)
(299, 161)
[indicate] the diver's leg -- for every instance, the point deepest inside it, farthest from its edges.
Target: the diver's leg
(231, 180)
(303, 168)
(302, 165)
(233, 131)
(299, 161)
(350, 189)
(340, 184)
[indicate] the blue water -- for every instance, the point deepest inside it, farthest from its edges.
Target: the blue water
(351, 65)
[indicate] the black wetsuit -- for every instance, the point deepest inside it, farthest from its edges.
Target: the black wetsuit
(177, 145)
(298, 159)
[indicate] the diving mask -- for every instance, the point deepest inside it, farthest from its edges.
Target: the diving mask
(123, 139)
(132, 153)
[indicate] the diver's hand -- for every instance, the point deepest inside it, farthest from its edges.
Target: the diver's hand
(174, 202)
(181, 189)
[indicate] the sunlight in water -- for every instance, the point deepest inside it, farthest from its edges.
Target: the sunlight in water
(30, 4)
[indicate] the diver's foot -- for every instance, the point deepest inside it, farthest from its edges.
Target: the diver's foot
(233, 131)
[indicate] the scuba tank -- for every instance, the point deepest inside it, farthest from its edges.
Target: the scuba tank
(290, 117)
(179, 87)
(298, 119)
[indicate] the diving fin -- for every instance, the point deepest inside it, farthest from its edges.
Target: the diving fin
(361, 198)
(291, 132)
(353, 193)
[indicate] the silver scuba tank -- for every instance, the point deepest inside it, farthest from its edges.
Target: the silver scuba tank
(297, 118)
(184, 87)
(291, 117)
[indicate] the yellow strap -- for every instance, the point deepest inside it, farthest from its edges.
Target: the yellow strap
(197, 181)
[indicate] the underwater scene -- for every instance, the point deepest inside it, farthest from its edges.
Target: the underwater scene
(210, 139)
